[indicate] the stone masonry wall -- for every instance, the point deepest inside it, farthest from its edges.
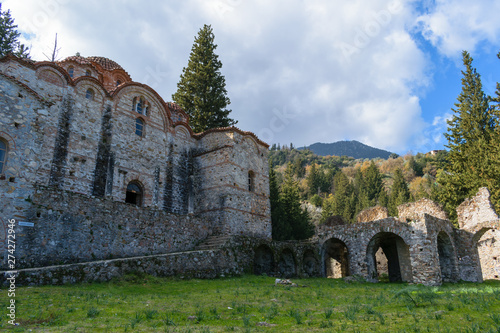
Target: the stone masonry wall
(72, 228)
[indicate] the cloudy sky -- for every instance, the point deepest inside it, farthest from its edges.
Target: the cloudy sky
(383, 72)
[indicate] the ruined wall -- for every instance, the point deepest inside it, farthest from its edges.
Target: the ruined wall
(372, 214)
(415, 211)
(72, 228)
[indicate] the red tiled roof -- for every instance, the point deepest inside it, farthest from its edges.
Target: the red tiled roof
(105, 63)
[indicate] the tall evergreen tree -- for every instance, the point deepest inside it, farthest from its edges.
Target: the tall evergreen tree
(9, 36)
(201, 91)
(400, 193)
(280, 229)
(294, 220)
(373, 184)
(343, 200)
(471, 139)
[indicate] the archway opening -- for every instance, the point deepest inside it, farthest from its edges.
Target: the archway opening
(310, 264)
(286, 264)
(396, 253)
(134, 194)
(336, 259)
(263, 261)
(446, 254)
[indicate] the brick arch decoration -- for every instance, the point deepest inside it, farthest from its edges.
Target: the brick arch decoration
(50, 75)
(183, 130)
(162, 106)
(85, 82)
(141, 180)
(287, 263)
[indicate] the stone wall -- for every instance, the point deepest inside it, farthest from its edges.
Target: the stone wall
(72, 228)
(415, 211)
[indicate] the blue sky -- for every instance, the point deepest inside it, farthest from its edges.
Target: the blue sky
(383, 72)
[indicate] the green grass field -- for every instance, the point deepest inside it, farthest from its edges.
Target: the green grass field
(243, 304)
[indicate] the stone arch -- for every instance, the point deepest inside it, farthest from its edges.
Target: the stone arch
(263, 260)
(447, 257)
(135, 193)
(310, 264)
(287, 266)
(50, 75)
(336, 258)
(397, 253)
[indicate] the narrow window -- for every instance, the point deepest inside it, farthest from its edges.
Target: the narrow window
(134, 194)
(139, 127)
(139, 105)
(3, 155)
(251, 181)
(88, 73)
(71, 71)
(118, 82)
(89, 94)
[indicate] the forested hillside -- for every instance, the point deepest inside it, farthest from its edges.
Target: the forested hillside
(344, 186)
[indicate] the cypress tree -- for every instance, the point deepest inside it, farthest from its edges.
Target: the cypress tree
(9, 37)
(473, 162)
(201, 91)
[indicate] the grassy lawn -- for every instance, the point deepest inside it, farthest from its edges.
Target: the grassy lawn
(150, 304)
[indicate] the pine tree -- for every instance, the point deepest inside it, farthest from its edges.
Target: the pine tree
(471, 143)
(343, 200)
(313, 180)
(294, 221)
(400, 193)
(373, 184)
(280, 229)
(9, 37)
(201, 91)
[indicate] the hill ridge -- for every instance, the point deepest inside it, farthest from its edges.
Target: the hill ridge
(352, 148)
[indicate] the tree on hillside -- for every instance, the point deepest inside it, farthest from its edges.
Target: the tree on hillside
(373, 184)
(201, 91)
(400, 193)
(343, 200)
(473, 149)
(9, 36)
(289, 220)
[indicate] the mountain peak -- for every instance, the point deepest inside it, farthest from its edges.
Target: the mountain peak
(350, 148)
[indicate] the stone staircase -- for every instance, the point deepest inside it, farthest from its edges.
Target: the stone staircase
(212, 243)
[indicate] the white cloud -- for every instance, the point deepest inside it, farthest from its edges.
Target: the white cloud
(456, 25)
(288, 76)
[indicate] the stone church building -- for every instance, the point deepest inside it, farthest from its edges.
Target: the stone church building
(104, 178)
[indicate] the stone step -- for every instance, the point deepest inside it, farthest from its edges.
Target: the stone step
(212, 242)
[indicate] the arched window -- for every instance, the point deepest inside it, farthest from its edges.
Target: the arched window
(139, 127)
(118, 82)
(89, 94)
(71, 71)
(251, 181)
(140, 105)
(88, 72)
(3, 155)
(134, 194)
